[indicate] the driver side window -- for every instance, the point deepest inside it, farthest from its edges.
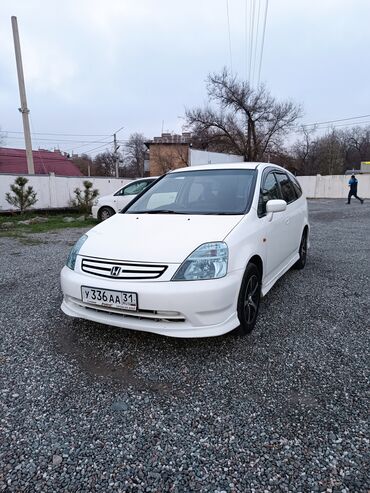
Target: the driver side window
(269, 191)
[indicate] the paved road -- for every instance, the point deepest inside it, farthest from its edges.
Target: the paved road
(91, 408)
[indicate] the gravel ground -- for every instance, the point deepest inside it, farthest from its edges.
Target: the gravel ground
(86, 407)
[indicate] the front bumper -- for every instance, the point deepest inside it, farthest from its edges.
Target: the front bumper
(171, 308)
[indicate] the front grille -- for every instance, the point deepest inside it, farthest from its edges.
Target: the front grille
(115, 269)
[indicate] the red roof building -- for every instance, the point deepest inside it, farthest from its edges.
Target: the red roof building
(14, 161)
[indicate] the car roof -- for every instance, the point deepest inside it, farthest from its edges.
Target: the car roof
(143, 178)
(241, 165)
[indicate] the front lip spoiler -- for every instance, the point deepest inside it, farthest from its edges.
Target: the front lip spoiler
(183, 330)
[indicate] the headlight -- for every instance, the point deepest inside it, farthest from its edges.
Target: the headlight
(209, 261)
(71, 260)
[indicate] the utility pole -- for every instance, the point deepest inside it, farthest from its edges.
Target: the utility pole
(115, 149)
(22, 92)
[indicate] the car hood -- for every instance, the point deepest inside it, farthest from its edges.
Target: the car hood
(155, 238)
(104, 198)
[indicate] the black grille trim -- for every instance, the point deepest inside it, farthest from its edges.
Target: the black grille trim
(103, 269)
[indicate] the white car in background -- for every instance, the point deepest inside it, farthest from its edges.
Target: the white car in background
(108, 205)
(191, 256)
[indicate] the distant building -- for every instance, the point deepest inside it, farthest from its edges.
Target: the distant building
(172, 151)
(14, 161)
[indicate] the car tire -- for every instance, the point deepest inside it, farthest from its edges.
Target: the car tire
(249, 299)
(105, 213)
(301, 262)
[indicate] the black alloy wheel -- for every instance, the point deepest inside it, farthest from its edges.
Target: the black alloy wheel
(249, 299)
(105, 213)
(301, 262)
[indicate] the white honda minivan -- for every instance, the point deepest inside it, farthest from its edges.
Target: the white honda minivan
(191, 255)
(108, 205)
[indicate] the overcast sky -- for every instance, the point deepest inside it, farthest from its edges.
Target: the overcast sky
(93, 66)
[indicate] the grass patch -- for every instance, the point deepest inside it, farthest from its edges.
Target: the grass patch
(55, 221)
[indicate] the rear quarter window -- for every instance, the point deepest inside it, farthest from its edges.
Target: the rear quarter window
(297, 186)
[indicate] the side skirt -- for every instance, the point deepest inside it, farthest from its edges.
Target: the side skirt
(267, 286)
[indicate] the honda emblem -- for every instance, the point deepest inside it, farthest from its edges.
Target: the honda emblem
(115, 271)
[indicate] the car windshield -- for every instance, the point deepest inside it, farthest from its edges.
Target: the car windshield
(214, 191)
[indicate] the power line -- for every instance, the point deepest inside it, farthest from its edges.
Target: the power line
(87, 142)
(334, 121)
(343, 125)
(246, 40)
(228, 26)
(53, 156)
(61, 134)
(99, 147)
(329, 127)
(13, 155)
(263, 42)
(251, 36)
(256, 43)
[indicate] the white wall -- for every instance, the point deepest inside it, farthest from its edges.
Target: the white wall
(57, 191)
(333, 186)
(204, 157)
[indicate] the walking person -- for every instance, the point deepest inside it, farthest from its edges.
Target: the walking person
(353, 189)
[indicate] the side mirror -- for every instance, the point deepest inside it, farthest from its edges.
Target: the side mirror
(276, 205)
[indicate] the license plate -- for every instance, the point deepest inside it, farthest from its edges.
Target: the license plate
(107, 297)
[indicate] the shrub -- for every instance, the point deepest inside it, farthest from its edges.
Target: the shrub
(84, 199)
(23, 197)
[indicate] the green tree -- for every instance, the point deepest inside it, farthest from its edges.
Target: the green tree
(84, 199)
(23, 197)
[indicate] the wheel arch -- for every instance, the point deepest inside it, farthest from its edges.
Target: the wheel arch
(306, 229)
(105, 206)
(258, 262)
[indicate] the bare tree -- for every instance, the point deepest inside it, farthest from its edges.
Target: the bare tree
(135, 151)
(84, 163)
(245, 120)
(105, 164)
(303, 149)
(357, 143)
(331, 154)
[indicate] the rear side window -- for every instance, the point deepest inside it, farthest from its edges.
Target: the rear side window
(297, 186)
(286, 187)
(269, 191)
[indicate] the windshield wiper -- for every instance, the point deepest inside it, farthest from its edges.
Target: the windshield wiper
(229, 213)
(156, 211)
